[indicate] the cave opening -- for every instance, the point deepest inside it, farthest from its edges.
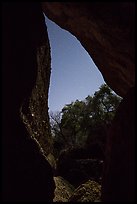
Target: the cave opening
(22, 156)
(75, 79)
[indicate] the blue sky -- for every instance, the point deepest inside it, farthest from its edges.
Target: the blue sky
(73, 73)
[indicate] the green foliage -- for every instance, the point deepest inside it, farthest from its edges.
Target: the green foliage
(84, 122)
(104, 104)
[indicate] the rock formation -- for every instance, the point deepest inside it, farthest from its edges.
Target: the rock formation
(119, 172)
(76, 165)
(63, 190)
(26, 174)
(90, 191)
(106, 31)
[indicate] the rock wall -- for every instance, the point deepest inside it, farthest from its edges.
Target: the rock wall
(26, 174)
(119, 171)
(34, 110)
(106, 31)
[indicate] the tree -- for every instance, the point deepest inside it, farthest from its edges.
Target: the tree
(84, 122)
(101, 108)
(104, 104)
(59, 140)
(72, 120)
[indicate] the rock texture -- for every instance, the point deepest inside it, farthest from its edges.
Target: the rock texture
(34, 110)
(26, 174)
(89, 191)
(63, 190)
(106, 31)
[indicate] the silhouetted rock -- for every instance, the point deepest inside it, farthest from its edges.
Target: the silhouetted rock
(119, 172)
(76, 166)
(26, 174)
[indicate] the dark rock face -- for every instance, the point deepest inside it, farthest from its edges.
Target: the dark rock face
(26, 175)
(106, 31)
(34, 110)
(119, 172)
(77, 166)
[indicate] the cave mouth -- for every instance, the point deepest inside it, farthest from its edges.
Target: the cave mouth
(75, 162)
(10, 108)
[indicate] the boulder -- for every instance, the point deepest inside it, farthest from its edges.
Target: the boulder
(89, 191)
(76, 166)
(63, 190)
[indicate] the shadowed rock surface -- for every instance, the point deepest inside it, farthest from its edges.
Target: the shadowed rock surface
(34, 110)
(89, 191)
(106, 31)
(26, 175)
(119, 172)
(76, 165)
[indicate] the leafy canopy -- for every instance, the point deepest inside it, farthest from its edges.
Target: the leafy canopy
(78, 121)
